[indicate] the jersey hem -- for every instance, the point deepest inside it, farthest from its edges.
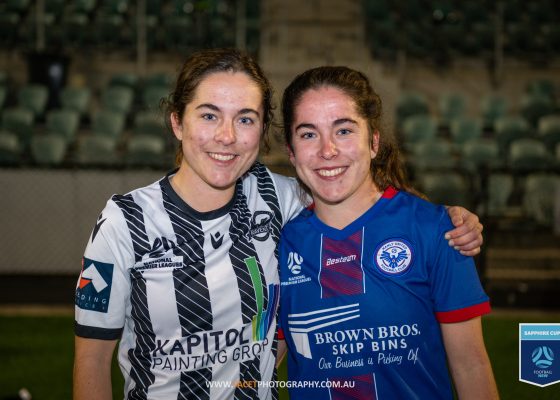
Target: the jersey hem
(93, 332)
(463, 314)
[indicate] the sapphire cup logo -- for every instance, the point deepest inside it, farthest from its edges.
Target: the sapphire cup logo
(538, 344)
(542, 357)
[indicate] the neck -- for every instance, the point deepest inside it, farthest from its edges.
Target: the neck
(199, 195)
(340, 215)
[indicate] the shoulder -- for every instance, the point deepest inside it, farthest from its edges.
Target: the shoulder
(121, 208)
(413, 208)
(261, 174)
(299, 223)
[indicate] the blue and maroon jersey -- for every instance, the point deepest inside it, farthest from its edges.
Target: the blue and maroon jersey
(361, 307)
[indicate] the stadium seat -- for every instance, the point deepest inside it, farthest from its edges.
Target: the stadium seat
(115, 7)
(126, 79)
(18, 6)
(500, 189)
(48, 149)
(110, 31)
(97, 151)
(533, 107)
(508, 129)
(34, 97)
(149, 123)
(179, 32)
(76, 98)
(432, 155)
(10, 148)
(55, 7)
(493, 107)
(146, 150)
(64, 122)
(84, 6)
(418, 128)
(480, 153)
(117, 98)
(528, 154)
(409, 104)
(19, 121)
(445, 188)
(539, 197)
(108, 123)
(450, 107)
(464, 129)
(158, 79)
(76, 29)
(152, 96)
(549, 130)
(541, 86)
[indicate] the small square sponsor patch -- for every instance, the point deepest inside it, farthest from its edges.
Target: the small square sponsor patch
(94, 288)
(539, 353)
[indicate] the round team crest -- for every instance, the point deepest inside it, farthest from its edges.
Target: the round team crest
(393, 256)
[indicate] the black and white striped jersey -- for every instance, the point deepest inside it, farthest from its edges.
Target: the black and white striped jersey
(192, 296)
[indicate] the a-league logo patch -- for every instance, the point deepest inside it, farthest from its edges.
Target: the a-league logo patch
(539, 354)
(393, 257)
(94, 288)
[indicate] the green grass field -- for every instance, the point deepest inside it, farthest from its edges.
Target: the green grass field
(36, 353)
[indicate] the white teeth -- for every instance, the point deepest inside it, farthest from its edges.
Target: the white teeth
(330, 172)
(222, 157)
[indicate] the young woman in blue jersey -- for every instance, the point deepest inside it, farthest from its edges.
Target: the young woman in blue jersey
(184, 272)
(374, 302)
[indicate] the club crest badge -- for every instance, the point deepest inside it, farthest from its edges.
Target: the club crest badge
(393, 257)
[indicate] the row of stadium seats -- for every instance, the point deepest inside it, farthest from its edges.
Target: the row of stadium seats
(107, 24)
(445, 29)
(121, 124)
(539, 98)
(529, 200)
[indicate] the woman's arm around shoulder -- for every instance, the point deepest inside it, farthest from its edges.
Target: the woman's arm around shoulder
(467, 235)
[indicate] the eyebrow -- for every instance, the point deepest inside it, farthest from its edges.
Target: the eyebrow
(216, 108)
(337, 122)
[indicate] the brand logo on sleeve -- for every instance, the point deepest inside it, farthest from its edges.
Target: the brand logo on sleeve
(94, 287)
(393, 257)
(97, 226)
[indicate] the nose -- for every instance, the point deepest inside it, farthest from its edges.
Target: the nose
(225, 133)
(328, 149)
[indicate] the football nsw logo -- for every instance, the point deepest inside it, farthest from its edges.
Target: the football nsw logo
(542, 357)
(393, 257)
(262, 322)
(94, 287)
(539, 346)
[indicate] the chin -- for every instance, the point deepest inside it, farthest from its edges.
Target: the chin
(329, 199)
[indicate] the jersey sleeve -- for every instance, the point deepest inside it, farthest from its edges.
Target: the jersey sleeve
(291, 198)
(456, 290)
(103, 286)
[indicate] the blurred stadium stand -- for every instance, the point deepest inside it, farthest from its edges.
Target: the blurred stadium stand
(470, 89)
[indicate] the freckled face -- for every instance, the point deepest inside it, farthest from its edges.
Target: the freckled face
(220, 131)
(332, 149)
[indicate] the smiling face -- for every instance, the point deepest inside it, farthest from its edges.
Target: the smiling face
(332, 149)
(219, 133)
